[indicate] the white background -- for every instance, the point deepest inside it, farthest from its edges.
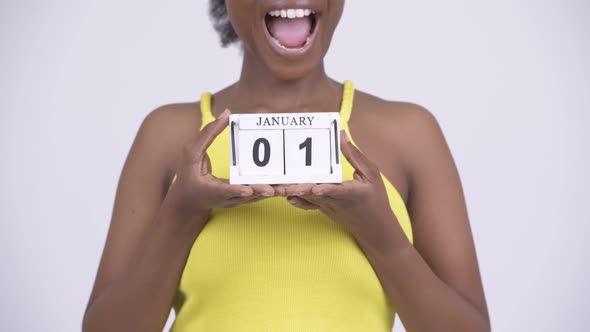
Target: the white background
(509, 82)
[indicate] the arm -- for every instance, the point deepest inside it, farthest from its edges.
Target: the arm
(153, 228)
(143, 255)
(139, 296)
(435, 284)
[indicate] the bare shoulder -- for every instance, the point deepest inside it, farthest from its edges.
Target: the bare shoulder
(168, 128)
(405, 122)
(410, 133)
(174, 119)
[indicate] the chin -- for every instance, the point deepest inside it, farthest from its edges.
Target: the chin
(293, 72)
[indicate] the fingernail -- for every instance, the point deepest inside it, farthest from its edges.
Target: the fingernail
(245, 193)
(293, 201)
(224, 114)
(346, 136)
(319, 193)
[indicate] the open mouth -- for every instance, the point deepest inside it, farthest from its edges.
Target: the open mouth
(291, 29)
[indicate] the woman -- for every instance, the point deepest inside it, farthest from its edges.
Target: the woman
(394, 237)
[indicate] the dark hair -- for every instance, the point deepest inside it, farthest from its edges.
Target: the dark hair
(221, 23)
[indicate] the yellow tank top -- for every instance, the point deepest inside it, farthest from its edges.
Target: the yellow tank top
(268, 266)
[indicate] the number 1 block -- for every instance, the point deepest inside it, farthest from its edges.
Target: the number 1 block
(282, 148)
(307, 151)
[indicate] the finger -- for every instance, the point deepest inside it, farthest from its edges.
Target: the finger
(298, 189)
(209, 132)
(315, 199)
(265, 190)
(356, 158)
(322, 201)
(345, 190)
(301, 203)
(255, 198)
(280, 190)
(225, 190)
(236, 201)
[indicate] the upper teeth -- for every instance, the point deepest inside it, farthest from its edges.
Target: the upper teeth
(291, 13)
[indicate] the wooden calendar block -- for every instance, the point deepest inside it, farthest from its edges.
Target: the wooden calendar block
(261, 152)
(282, 148)
(307, 151)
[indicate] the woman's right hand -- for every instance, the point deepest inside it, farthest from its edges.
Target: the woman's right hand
(196, 191)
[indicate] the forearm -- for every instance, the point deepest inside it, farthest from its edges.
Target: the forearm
(140, 299)
(423, 301)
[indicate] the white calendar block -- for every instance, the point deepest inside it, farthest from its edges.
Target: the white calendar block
(282, 148)
(307, 151)
(261, 152)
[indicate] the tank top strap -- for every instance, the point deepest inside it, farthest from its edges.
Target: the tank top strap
(346, 105)
(206, 115)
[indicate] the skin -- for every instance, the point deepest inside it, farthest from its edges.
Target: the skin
(434, 284)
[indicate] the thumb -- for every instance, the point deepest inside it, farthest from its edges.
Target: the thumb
(209, 133)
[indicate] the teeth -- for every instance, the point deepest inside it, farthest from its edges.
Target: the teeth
(291, 13)
(291, 49)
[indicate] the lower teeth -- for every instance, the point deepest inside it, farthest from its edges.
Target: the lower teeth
(291, 49)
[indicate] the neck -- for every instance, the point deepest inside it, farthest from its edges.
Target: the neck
(258, 90)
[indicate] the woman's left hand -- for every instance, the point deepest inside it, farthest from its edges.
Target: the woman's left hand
(360, 205)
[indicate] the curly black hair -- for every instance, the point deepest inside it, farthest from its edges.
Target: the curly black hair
(221, 23)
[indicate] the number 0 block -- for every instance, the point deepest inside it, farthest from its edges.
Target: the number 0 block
(261, 152)
(281, 148)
